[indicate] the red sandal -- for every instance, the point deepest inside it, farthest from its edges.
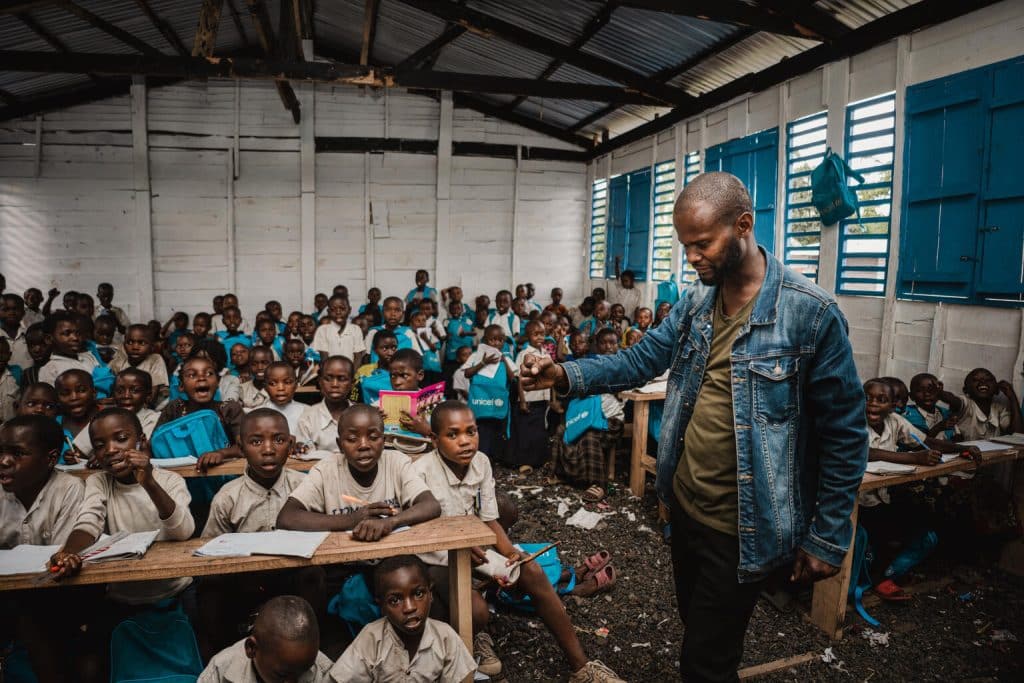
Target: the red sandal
(593, 564)
(888, 590)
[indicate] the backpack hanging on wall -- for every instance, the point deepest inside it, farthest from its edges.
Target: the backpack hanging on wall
(831, 195)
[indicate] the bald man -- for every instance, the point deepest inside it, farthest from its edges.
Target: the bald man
(284, 646)
(763, 442)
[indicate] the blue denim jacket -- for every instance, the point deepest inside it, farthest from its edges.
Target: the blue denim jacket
(798, 406)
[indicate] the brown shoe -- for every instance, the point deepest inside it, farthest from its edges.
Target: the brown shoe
(595, 672)
(483, 651)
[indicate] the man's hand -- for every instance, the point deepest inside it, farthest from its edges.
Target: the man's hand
(808, 569)
(540, 372)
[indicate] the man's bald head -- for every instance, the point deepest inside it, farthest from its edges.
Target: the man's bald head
(724, 192)
(286, 617)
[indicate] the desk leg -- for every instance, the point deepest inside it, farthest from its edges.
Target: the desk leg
(460, 600)
(641, 412)
(828, 604)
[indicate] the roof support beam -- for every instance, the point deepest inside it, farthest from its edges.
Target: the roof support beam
(526, 87)
(370, 13)
(236, 19)
(730, 12)
(265, 34)
(807, 17)
(52, 40)
(108, 28)
(9, 97)
(206, 28)
(906, 20)
(429, 52)
(489, 25)
(165, 29)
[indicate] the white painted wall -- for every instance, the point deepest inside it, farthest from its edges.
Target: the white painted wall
(889, 337)
(224, 164)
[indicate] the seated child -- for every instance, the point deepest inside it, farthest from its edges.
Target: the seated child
(405, 644)
(132, 391)
(338, 337)
(251, 503)
(487, 379)
(462, 479)
(393, 313)
(304, 362)
(406, 374)
(584, 461)
(428, 346)
(292, 330)
(319, 306)
(281, 386)
(925, 414)
(619, 322)
(644, 319)
(182, 348)
(556, 306)
(365, 488)
(179, 321)
(240, 355)
(268, 338)
(600, 321)
(661, 312)
(529, 447)
(38, 350)
(10, 389)
(76, 396)
(284, 645)
(371, 378)
(458, 387)
(199, 382)
(371, 309)
(232, 333)
(67, 348)
(459, 332)
(985, 413)
(632, 337)
(220, 324)
(138, 353)
(307, 329)
(900, 394)
(253, 394)
(318, 424)
(39, 398)
(201, 325)
(229, 387)
(103, 331)
(579, 345)
(273, 307)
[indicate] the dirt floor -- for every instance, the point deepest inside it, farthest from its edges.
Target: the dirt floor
(967, 622)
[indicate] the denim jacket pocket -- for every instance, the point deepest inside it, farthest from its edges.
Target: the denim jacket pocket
(775, 388)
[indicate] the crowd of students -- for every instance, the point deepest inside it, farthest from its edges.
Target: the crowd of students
(84, 385)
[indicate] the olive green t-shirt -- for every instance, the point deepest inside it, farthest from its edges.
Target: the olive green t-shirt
(705, 479)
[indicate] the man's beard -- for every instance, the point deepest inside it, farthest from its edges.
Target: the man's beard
(731, 263)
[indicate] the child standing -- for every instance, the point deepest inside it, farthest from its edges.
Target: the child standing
(66, 347)
(393, 314)
(318, 424)
(281, 386)
(503, 317)
(529, 447)
(405, 644)
(486, 377)
(371, 309)
(421, 290)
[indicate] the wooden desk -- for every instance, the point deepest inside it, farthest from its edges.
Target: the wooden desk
(235, 466)
(170, 559)
(640, 463)
(828, 603)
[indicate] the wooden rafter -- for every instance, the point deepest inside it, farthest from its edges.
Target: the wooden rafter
(166, 30)
(807, 16)
(8, 97)
(206, 28)
(370, 13)
(489, 25)
(265, 35)
(236, 19)
(734, 12)
(51, 40)
(108, 28)
(427, 55)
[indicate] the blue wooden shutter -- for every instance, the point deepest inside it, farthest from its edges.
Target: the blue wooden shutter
(942, 179)
(754, 160)
(638, 225)
(618, 210)
(999, 277)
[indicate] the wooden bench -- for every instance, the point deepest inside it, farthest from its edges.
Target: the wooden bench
(173, 559)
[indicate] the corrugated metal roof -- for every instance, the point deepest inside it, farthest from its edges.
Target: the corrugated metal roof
(643, 41)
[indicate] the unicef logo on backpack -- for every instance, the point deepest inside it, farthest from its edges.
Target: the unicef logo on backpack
(575, 419)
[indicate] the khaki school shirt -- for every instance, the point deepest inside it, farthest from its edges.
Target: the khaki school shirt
(110, 506)
(330, 479)
(242, 505)
(975, 424)
(232, 665)
(49, 519)
(896, 431)
(318, 427)
(153, 364)
(377, 655)
(334, 341)
(58, 364)
(251, 397)
(471, 495)
(705, 479)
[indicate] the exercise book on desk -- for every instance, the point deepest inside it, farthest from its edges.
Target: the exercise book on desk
(278, 542)
(885, 467)
(121, 546)
(180, 461)
(1016, 439)
(26, 559)
(984, 445)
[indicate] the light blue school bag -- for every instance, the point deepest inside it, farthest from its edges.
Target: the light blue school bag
(581, 415)
(194, 434)
(488, 396)
(831, 195)
(372, 385)
(155, 646)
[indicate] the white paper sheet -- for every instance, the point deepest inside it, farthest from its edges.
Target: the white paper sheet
(174, 462)
(949, 457)
(312, 455)
(883, 467)
(984, 446)
(120, 546)
(77, 467)
(1010, 439)
(278, 542)
(653, 388)
(26, 559)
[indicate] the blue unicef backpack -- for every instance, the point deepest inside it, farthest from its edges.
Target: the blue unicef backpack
(488, 396)
(194, 434)
(371, 386)
(831, 195)
(668, 292)
(583, 414)
(155, 646)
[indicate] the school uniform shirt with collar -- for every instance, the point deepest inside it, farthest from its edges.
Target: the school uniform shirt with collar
(110, 506)
(230, 387)
(217, 325)
(116, 312)
(402, 331)
(335, 341)
(509, 322)
(924, 421)
(427, 293)
(58, 364)
(377, 655)
(531, 396)
(974, 423)
(10, 393)
(292, 411)
(232, 665)
(153, 364)
(49, 519)
(149, 419)
(896, 432)
(631, 298)
(252, 397)
(242, 505)
(32, 317)
(471, 495)
(331, 478)
(318, 428)
(19, 347)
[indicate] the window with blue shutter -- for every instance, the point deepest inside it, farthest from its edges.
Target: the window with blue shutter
(692, 160)
(629, 223)
(598, 227)
(805, 150)
(664, 233)
(864, 242)
(961, 233)
(754, 160)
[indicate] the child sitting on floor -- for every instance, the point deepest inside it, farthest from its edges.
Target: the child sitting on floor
(405, 644)
(281, 386)
(318, 424)
(462, 479)
(365, 488)
(926, 414)
(246, 504)
(372, 377)
(132, 391)
(253, 394)
(986, 413)
(284, 645)
(583, 445)
(138, 353)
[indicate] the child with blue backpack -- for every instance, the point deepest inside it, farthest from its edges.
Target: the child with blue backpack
(393, 313)
(503, 316)
(461, 479)
(926, 414)
(486, 377)
(372, 377)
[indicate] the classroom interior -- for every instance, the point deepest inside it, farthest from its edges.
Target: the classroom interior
(277, 148)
